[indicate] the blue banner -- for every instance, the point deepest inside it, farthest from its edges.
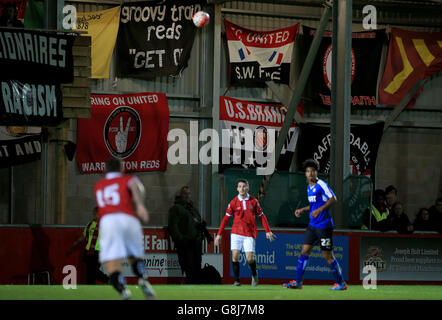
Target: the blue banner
(279, 259)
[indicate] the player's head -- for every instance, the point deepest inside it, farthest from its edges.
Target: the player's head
(242, 186)
(391, 195)
(311, 168)
(113, 165)
(185, 193)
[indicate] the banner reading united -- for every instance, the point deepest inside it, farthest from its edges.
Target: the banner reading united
(412, 56)
(131, 127)
(259, 56)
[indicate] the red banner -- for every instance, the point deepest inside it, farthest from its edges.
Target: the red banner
(131, 127)
(412, 56)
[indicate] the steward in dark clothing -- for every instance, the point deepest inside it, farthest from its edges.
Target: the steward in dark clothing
(187, 230)
(377, 215)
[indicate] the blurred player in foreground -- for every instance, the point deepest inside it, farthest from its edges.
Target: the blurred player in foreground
(120, 200)
(320, 228)
(244, 209)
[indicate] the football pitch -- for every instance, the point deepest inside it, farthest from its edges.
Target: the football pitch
(224, 292)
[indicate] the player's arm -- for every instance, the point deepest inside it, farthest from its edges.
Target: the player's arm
(137, 189)
(265, 223)
(325, 206)
(299, 211)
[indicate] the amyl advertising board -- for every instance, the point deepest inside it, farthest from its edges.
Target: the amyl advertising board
(279, 259)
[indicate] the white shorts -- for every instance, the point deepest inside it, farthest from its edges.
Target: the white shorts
(121, 236)
(238, 242)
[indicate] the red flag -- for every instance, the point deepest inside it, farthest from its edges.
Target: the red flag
(412, 56)
(132, 127)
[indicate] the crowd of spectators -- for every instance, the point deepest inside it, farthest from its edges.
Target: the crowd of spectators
(387, 213)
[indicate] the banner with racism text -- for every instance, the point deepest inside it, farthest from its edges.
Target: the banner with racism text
(314, 143)
(259, 56)
(19, 145)
(245, 126)
(365, 63)
(155, 38)
(131, 127)
(412, 56)
(102, 27)
(36, 56)
(30, 104)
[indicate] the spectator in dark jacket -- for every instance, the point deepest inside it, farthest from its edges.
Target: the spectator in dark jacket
(390, 196)
(187, 230)
(436, 214)
(398, 219)
(423, 221)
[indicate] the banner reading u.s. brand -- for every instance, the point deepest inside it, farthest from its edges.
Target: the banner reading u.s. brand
(237, 118)
(412, 56)
(259, 56)
(365, 61)
(314, 143)
(155, 38)
(131, 127)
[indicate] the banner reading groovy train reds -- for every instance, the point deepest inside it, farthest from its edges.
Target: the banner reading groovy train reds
(132, 127)
(259, 56)
(412, 56)
(239, 118)
(365, 61)
(314, 143)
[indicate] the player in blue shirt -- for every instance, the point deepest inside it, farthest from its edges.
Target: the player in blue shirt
(320, 228)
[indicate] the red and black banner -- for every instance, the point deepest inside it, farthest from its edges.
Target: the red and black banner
(155, 38)
(259, 56)
(131, 127)
(314, 143)
(247, 125)
(365, 63)
(412, 56)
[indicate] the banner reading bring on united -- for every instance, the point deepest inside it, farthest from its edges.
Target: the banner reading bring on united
(259, 56)
(248, 125)
(131, 127)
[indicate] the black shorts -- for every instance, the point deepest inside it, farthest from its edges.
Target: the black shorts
(323, 237)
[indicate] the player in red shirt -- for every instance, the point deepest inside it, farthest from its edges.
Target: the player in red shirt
(244, 209)
(120, 200)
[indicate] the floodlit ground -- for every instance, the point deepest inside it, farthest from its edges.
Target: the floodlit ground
(224, 292)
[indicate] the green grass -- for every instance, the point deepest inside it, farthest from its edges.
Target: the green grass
(224, 292)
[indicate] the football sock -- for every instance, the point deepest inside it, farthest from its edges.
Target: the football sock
(302, 263)
(118, 282)
(337, 272)
(252, 266)
(235, 266)
(138, 268)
